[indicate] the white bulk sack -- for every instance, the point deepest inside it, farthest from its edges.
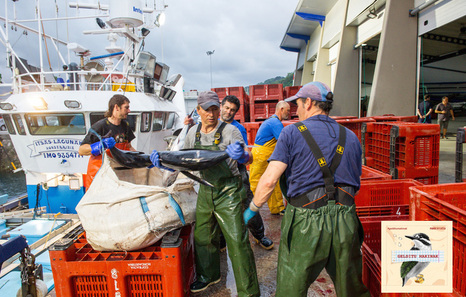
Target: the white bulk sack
(116, 219)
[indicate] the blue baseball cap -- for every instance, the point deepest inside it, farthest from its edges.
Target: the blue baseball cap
(315, 90)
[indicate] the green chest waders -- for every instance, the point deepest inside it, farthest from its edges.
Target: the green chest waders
(321, 233)
(221, 207)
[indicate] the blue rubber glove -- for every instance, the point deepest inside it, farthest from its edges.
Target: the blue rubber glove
(96, 147)
(155, 159)
(250, 212)
(236, 152)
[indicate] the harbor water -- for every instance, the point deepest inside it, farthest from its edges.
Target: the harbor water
(13, 184)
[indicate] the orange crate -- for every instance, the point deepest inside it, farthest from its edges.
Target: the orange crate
(265, 92)
(251, 130)
(394, 118)
(288, 92)
(159, 270)
(369, 174)
(261, 110)
(446, 202)
(384, 197)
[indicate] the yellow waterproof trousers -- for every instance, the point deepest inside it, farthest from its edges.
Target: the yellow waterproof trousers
(260, 156)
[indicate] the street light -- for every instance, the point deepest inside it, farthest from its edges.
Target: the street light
(210, 53)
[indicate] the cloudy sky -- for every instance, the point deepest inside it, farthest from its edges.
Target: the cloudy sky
(245, 34)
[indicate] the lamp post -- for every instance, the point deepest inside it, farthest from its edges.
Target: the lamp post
(210, 53)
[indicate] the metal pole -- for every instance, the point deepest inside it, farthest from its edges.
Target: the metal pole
(210, 53)
(426, 4)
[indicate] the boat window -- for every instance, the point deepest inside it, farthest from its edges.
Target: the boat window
(19, 124)
(170, 120)
(97, 116)
(55, 124)
(146, 120)
(9, 124)
(157, 124)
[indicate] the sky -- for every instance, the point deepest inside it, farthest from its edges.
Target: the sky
(245, 34)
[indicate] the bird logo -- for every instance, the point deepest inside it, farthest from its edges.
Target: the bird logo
(414, 268)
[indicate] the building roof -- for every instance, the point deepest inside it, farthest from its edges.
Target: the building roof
(308, 15)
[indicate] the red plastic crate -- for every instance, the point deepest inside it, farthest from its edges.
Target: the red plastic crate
(243, 112)
(370, 174)
(288, 92)
(159, 270)
(251, 130)
(403, 149)
(446, 202)
(289, 122)
(336, 118)
(261, 110)
(355, 125)
(394, 118)
(384, 197)
(265, 92)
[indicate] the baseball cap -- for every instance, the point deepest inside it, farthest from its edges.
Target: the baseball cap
(207, 99)
(315, 90)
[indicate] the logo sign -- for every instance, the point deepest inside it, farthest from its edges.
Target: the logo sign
(55, 148)
(417, 257)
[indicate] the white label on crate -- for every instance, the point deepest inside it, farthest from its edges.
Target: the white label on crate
(416, 257)
(114, 273)
(139, 265)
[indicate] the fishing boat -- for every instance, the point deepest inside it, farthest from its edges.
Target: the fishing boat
(50, 111)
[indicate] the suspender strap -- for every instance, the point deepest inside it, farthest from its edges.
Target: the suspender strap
(217, 136)
(198, 134)
(339, 151)
(327, 172)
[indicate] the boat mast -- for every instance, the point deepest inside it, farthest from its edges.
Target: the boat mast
(41, 80)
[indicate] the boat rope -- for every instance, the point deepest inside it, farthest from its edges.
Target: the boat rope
(51, 228)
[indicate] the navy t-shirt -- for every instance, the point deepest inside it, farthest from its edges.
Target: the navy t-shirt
(303, 173)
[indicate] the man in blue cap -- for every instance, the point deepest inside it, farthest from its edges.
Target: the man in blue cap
(321, 166)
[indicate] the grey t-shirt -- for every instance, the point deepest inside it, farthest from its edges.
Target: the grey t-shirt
(230, 134)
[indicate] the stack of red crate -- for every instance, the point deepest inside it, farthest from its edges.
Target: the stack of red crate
(243, 112)
(354, 125)
(288, 92)
(403, 149)
(446, 202)
(159, 270)
(263, 99)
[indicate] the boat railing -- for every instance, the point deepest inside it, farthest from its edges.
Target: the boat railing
(79, 80)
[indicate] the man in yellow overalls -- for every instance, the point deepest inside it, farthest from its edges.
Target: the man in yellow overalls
(264, 144)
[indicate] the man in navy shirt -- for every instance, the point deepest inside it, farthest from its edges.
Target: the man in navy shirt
(321, 163)
(230, 105)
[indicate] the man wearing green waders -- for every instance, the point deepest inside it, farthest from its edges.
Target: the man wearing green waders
(220, 208)
(321, 163)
